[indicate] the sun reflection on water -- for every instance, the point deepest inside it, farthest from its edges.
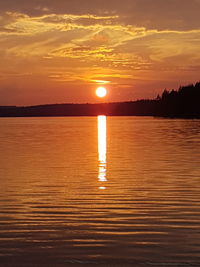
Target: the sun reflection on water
(102, 149)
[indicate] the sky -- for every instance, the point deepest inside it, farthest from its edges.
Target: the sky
(61, 51)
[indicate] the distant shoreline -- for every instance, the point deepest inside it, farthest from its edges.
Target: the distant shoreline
(133, 108)
(150, 108)
(184, 103)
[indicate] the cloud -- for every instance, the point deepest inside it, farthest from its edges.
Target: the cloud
(108, 44)
(160, 14)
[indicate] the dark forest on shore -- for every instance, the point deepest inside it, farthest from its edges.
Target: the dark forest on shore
(183, 103)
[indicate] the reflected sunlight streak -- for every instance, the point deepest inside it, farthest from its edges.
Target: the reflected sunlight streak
(102, 149)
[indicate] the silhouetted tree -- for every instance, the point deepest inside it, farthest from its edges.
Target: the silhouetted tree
(182, 103)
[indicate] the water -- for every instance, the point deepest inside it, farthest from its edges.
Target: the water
(115, 191)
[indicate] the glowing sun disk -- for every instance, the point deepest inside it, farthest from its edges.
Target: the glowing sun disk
(101, 91)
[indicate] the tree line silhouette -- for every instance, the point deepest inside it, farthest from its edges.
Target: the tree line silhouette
(183, 103)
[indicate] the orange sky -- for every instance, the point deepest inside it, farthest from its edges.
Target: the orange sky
(60, 51)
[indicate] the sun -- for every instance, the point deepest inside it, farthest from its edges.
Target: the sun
(101, 92)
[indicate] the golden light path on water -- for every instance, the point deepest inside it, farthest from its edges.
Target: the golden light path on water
(102, 146)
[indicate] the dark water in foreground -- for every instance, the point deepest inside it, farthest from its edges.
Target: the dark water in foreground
(135, 201)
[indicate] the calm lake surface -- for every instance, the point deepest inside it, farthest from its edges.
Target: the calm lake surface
(97, 191)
